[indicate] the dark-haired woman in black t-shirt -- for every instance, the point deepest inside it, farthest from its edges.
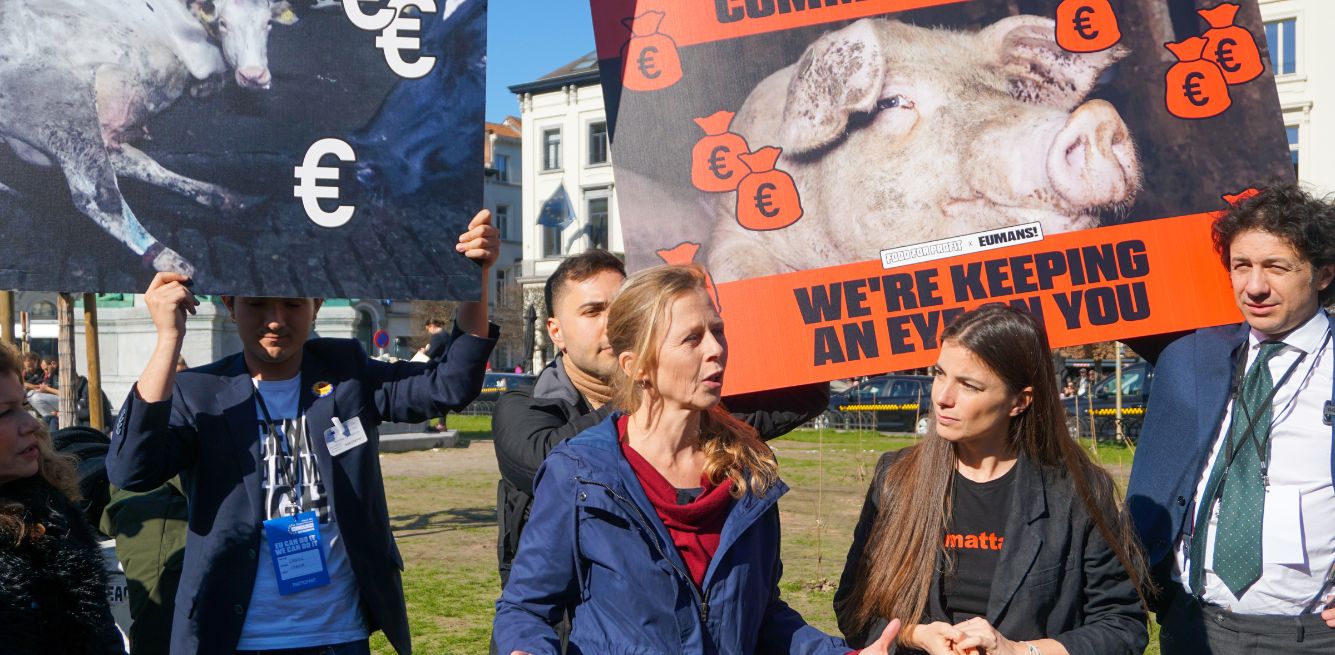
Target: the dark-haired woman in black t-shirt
(996, 533)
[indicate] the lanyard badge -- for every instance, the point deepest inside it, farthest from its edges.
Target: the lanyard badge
(296, 551)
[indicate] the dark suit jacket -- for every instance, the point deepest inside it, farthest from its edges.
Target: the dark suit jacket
(1192, 382)
(1057, 577)
(207, 433)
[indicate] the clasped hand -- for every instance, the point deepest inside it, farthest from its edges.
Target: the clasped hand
(973, 637)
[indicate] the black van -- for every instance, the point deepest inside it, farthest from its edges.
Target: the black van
(887, 403)
(1100, 404)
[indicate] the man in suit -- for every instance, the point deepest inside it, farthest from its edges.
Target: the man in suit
(288, 549)
(1231, 489)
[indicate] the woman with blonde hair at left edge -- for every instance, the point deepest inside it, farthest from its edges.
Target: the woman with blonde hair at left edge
(658, 529)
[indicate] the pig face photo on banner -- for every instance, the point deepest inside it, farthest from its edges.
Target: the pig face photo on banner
(828, 142)
(263, 147)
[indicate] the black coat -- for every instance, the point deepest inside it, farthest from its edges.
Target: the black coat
(1057, 577)
(207, 433)
(529, 423)
(53, 590)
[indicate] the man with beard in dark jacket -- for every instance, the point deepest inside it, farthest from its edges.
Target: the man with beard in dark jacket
(572, 392)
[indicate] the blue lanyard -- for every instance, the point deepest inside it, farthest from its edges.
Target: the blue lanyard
(292, 472)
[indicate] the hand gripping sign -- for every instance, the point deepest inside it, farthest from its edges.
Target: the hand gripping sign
(715, 163)
(1231, 46)
(1087, 26)
(767, 198)
(1195, 87)
(649, 59)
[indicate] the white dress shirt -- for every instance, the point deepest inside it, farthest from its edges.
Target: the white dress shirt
(1300, 464)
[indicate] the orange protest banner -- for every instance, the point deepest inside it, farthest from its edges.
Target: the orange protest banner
(856, 173)
(860, 319)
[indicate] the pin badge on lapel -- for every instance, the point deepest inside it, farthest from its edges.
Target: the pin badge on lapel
(322, 389)
(1328, 412)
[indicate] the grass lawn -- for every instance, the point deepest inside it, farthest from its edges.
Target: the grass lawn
(443, 509)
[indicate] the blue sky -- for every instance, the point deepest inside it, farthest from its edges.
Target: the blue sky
(527, 39)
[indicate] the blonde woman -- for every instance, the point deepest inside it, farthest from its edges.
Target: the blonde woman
(658, 529)
(53, 597)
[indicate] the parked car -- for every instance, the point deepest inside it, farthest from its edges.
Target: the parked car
(495, 384)
(887, 403)
(1101, 405)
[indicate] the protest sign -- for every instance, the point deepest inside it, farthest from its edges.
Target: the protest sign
(855, 173)
(329, 148)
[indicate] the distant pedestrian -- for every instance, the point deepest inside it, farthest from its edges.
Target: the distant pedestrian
(45, 396)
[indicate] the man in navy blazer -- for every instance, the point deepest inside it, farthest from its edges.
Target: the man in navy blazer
(1256, 578)
(289, 548)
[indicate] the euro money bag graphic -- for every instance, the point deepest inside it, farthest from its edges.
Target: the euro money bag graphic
(767, 198)
(1194, 87)
(1231, 46)
(1087, 26)
(684, 253)
(715, 163)
(649, 60)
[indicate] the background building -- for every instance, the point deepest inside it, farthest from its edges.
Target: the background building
(1301, 57)
(569, 199)
(502, 193)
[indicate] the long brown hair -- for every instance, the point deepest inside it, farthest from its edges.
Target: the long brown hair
(636, 323)
(55, 469)
(906, 542)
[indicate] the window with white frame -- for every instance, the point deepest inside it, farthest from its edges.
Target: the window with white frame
(550, 237)
(42, 309)
(1281, 36)
(551, 149)
(501, 164)
(598, 143)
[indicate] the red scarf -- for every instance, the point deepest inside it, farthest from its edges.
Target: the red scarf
(696, 527)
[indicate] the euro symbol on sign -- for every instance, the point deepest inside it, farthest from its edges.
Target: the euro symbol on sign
(1223, 53)
(763, 203)
(310, 192)
(646, 63)
(370, 22)
(1082, 23)
(392, 42)
(717, 165)
(1191, 88)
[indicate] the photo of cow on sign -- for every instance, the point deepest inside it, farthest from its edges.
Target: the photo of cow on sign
(199, 136)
